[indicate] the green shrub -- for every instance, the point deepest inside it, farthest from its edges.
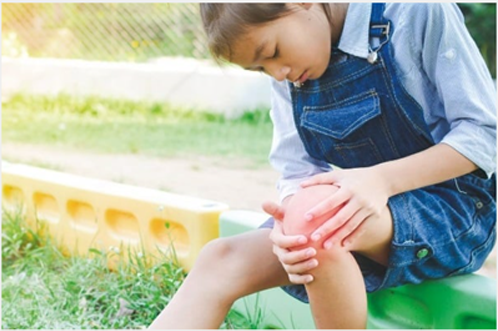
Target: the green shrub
(480, 19)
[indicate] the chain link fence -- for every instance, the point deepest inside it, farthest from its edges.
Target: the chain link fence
(103, 31)
(141, 31)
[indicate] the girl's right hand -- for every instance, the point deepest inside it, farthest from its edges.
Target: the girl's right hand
(296, 262)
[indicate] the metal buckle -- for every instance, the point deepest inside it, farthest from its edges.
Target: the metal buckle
(372, 55)
(385, 27)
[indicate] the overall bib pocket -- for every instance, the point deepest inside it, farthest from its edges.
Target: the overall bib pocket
(341, 130)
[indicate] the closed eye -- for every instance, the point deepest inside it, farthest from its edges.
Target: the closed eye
(257, 69)
(276, 54)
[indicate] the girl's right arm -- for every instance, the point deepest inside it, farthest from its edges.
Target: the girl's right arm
(289, 157)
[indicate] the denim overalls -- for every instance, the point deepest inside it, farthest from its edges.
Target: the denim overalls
(358, 114)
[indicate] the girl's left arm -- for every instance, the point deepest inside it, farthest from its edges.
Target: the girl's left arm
(455, 69)
(364, 191)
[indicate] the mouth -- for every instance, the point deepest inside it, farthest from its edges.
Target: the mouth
(304, 77)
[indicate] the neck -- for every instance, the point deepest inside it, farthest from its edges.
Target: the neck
(337, 17)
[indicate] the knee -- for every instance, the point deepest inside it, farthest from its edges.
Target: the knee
(222, 269)
(218, 252)
(331, 258)
(222, 256)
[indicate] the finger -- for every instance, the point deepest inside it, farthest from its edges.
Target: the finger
(347, 229)
(323, 178)
(273, 209)
(330, 203)
(293, 257)
(302, 267)
(283, 241)
(357, 233)
(300, 279)
(334, 223)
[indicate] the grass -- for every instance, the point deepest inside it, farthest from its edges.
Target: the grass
(57, 291)
(44, 289)
(119, 126)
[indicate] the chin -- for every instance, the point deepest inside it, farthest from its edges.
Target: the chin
(316, 76)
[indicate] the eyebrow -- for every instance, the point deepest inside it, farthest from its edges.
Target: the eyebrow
(258, 52)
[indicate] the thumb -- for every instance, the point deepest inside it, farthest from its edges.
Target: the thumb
(323, 178)
(274, 210)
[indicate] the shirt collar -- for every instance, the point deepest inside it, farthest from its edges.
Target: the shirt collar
(354, 36)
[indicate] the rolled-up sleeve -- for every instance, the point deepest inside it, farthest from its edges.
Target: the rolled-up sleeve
(453, 63)
(288, 155)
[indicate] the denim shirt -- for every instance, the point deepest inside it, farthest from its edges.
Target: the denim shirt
(440, 66)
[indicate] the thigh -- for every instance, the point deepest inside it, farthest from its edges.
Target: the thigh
(373, 237)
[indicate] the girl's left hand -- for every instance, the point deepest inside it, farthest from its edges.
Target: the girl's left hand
(363, 192)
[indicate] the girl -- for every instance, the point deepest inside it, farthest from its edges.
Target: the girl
(397, 97)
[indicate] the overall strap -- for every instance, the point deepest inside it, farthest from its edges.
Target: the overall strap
(379, 28)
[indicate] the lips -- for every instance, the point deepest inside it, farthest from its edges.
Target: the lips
(303, 77)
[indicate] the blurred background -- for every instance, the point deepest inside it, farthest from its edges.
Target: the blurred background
(102, 31)
(140, 32)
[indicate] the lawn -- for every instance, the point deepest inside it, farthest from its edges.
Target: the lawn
(149, 128)
(44, 289)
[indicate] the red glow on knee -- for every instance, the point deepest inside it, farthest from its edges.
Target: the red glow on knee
(305, 199)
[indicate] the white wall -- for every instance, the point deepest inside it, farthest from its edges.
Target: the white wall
(181, 82)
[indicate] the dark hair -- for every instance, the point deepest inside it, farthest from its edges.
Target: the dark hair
(224, 23)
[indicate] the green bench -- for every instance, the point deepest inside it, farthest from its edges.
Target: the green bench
(462, 302)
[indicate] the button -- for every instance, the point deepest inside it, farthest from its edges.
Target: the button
(479, 204)
(422, 253)
(372, 57)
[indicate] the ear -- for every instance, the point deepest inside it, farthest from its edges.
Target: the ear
(305, 5)
(301, 5)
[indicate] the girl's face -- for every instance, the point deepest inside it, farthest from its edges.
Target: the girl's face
(295, 47)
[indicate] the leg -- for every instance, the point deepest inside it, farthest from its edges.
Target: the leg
(226, 269)
(337, 295)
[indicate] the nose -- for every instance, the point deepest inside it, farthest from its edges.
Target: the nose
(278, 71)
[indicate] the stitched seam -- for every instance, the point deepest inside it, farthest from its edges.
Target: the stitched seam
(390, 83)
(386, 129)
(320, 144)
(296, 117)
(368, 142)
(328, 131)
(343, 80)
(346, 102)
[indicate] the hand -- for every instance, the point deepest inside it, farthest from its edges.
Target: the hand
(363, 192)
(297, 262)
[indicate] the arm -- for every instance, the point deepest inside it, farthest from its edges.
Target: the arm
(365, 191)
(289, 157)
(434, 165)
(466, 105)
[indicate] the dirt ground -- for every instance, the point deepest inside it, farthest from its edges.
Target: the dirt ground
(238, 185)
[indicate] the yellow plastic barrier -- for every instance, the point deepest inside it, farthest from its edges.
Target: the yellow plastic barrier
(83, 213)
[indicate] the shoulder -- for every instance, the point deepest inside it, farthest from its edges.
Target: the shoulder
(425, 10)
(423, 16)
(425, 25)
